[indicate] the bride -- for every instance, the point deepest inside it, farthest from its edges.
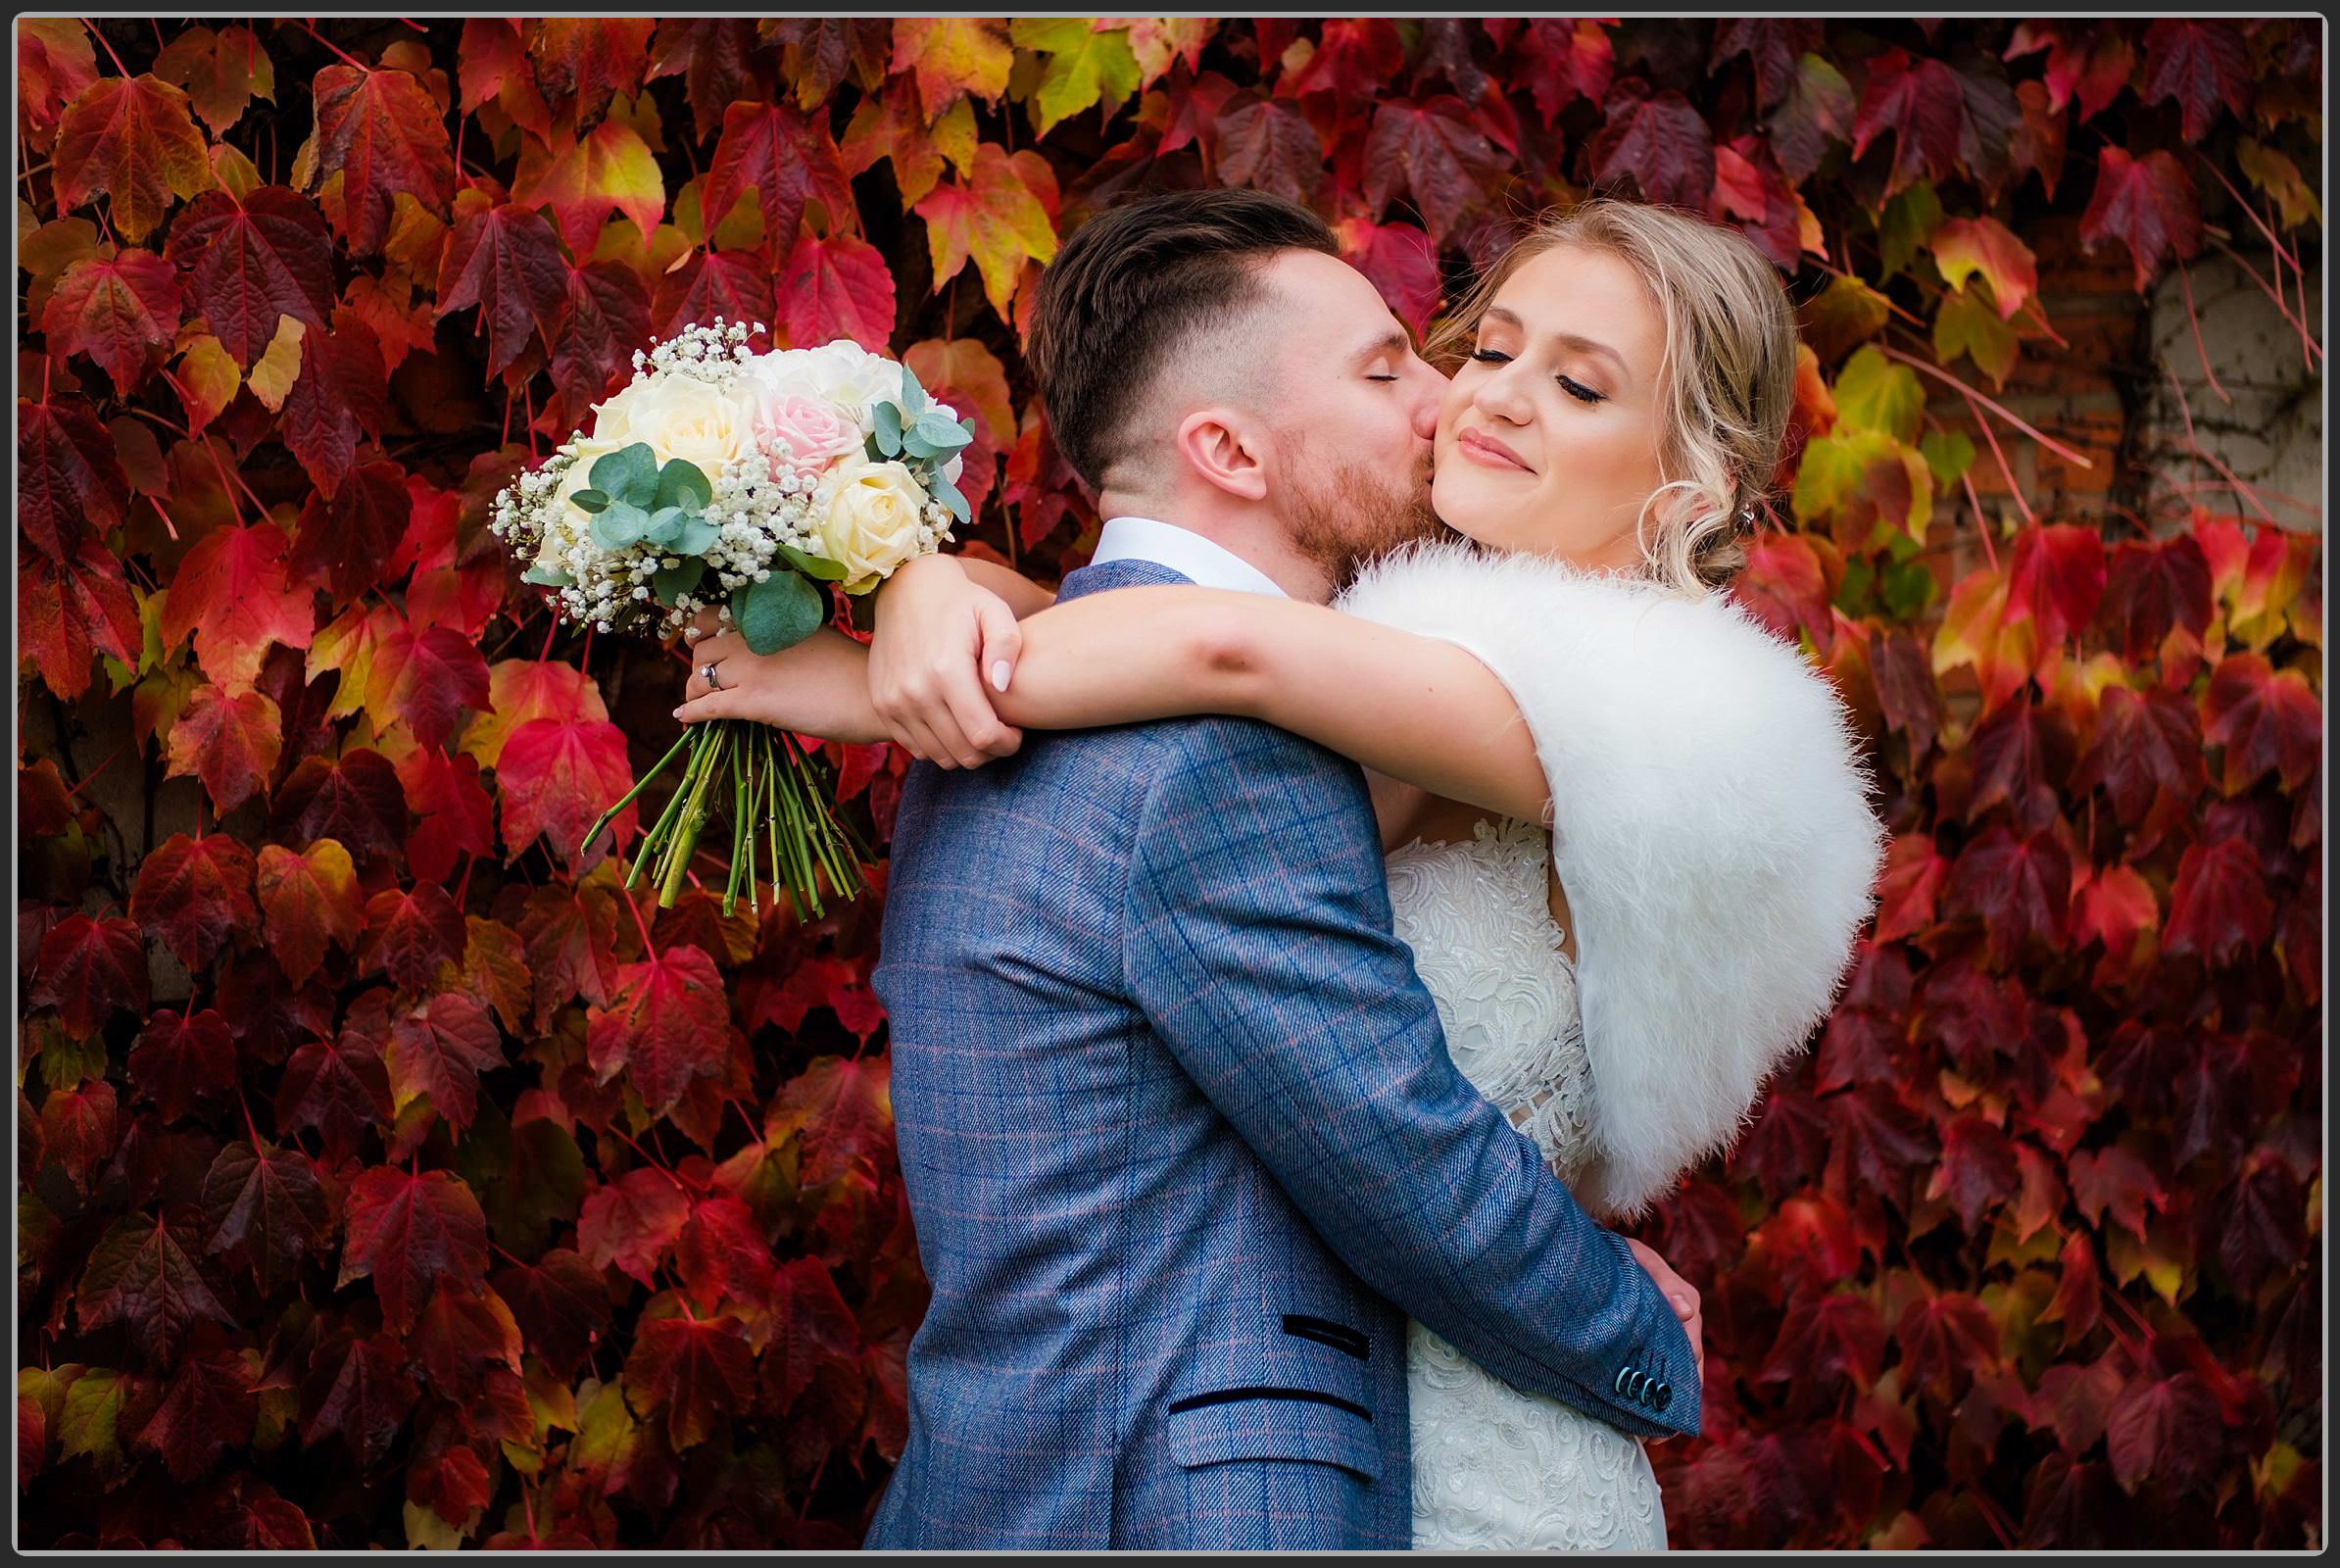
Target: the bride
(1627, 835)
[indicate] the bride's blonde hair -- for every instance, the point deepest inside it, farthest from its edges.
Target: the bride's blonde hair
(1727, 379)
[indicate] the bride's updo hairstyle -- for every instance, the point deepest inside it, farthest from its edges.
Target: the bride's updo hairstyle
(1728, 380)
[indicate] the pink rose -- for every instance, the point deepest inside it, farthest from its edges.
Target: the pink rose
(813, 430)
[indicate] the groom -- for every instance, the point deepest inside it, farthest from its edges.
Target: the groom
(1183, 1143)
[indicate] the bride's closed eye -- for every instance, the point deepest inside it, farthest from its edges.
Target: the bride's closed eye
(1567, 384)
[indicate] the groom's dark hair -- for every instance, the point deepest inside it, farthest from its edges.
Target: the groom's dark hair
(1134, 284)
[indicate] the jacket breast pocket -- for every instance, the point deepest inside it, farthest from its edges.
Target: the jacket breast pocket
(1260, 1422)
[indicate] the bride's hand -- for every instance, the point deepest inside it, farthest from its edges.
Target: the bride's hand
(817, 687)
(939, 637)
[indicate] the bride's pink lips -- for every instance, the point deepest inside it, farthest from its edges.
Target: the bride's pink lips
(1488, 452)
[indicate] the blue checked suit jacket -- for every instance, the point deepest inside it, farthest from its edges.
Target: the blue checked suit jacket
(1183, 1146)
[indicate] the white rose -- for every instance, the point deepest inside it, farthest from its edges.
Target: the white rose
(680, 416)
(866, 519)
(958, 462)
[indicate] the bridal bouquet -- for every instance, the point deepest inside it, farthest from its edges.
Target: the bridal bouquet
(757, 484)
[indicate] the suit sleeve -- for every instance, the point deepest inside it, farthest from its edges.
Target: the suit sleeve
(1258, 944)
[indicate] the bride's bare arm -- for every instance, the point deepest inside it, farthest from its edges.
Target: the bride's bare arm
(1413, 708)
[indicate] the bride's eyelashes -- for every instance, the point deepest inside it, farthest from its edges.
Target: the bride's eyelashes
(1573, 388)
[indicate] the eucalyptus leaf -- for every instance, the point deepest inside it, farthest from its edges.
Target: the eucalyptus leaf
(812, 565)
(914, 401)
(590, 500)
(682, 483)
(694, 538)
(915, 444)
(619, 526)
(665, 525)
(546, 576)
(780, 611)
(940, 430)
(887, 419)
(948, 494)
(669, 583)
(631, 474)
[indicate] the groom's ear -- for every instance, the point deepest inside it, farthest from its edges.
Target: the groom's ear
(1225, 449)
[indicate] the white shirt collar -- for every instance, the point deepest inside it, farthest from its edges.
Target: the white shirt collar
(1203, 561)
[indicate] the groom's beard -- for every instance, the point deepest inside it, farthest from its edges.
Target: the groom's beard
(1343, 517)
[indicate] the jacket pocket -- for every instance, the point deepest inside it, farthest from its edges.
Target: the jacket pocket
(1261, 1422)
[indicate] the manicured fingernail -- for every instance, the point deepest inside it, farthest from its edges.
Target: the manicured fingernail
(678, 713)
(999, 675)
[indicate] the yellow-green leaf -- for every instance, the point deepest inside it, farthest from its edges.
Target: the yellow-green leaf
(996, 218)
(952, 56)
(271, 379)
(1872, 393)
(1086, 64)
(1966, 324)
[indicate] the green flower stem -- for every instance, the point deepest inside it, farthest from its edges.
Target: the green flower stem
(657, 835)
(627, 799)
(694, 818)
(739, 829)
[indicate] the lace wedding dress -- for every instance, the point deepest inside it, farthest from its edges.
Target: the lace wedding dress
(1494, 1467)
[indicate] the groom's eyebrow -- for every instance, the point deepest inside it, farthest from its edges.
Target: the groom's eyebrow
(1393, 341)
(1571, 340)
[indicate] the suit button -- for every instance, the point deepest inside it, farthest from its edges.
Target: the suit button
(1623, 1373)
(1663, 1395)
(1641, 1388)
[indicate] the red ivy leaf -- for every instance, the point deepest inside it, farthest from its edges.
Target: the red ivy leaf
(69, 476)
(1923, 104)
(454, 814)
(2268, 720)
(408, 1231)
(668, 1026)
(2148, 203)
(2203, 64)
(506, 260)
(355, 799)
(198, 893)
(311, 902)
(1939, 1334)
(345, 536)
(2020, 889)
(1400, 261)
(207, 1403)
(424, 678)
(87, 968)
(788, 161)
(359, 1389)
(408, 934)
(382, 133)
(2220, 905)
(556, 776)
(696, 1369)
(464, 1330)
(440, 1050)
(2056, 578)
(251, 259)
(1662, 144)
(1977, 1169)
(1433, 152)
(181, 1062)
(68, 611)
(1268, 145)
(2155, 1431)
(629, 1223)
(842, 1116)
(230, 740)
(724, 1252)
(143, 1274)
(234, 594)
(78, 1129)
(836, 287)
(134, 139)
(339, 1086)
(117, 310)
(2116, 1181)
(271, 1204)
(2147, 748)
(561, 1304)
(1821, 1343)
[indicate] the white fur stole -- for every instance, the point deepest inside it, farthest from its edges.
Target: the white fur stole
(1711, 828)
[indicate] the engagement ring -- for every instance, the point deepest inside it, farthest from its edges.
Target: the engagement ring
(707, 673)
